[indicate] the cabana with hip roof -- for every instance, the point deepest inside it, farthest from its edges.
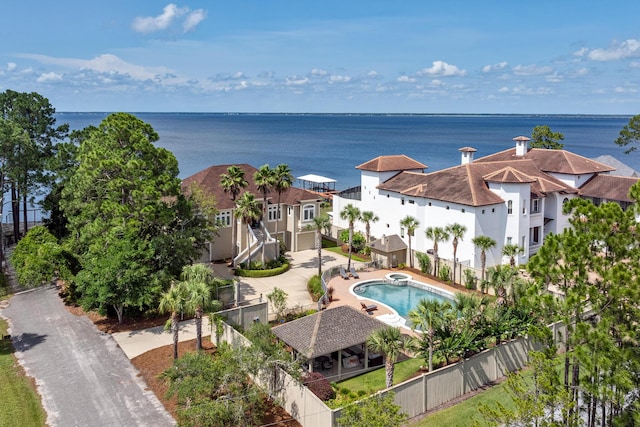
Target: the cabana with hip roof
(389, 251)
(333, 336)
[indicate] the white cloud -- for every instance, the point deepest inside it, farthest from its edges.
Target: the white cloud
(627, 89)
(406, 79)
(494, 67)
(440, 68)
(339, 79)
(372, 73)
(296, 81)
(634, 64)
(503, 89)
(49, 77)
(170, 14)
(531, 70)
(11, 66)
(627, 49)
(318, 72)
(437, 82)
(582, 52)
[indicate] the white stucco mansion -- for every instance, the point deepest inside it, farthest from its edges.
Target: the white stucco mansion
(513, 196)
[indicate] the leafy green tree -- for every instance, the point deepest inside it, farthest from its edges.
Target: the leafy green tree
(484, 243)
(630, 134)
(248, 211)
(391, 343)
(437, 234)
(351, 214)
(456, 231)
(278, 299)
(411, 224)
(543, 137)
(320, 222)
(197, 280)
(282, 181)
(131, 227)
(35, 115)
(368, 217)
(233, 182)
(377, 411)
(38, 259)
(428, 316)
(424, 262)
(512, 251)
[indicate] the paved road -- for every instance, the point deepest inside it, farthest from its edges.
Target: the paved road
(84, 378)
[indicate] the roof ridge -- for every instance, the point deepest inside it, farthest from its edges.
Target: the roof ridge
(314, 335)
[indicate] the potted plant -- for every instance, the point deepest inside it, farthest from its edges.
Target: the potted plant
(330, 293)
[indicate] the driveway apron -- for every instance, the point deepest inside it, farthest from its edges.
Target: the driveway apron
(84, 378)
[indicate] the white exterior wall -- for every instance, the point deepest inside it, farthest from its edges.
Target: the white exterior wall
(574, 181)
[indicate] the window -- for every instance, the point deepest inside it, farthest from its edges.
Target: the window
(508, 240)
(411, 202)
(535, 235)
(523, 241)
(401, 231)
(510, 207)
(224, 219)
(308, 212)
(274, 213)
(463, 210)
(524, 206)
(402, 201)
(535, 205)
(482, 211)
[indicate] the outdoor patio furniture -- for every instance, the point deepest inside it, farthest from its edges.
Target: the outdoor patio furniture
(354, 273)
(344, 274)
(368, 308)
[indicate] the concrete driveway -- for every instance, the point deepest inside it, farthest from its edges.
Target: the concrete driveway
(84, 378)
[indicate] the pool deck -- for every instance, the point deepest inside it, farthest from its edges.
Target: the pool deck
(342, 296)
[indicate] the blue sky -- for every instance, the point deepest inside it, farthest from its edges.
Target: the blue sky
(561, 56)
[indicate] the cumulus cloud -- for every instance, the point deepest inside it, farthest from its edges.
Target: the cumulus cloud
(372, 73)
(339, 79)
(11, 66)
(171, 14)
(406, 79)
(49, 77)
(626, 49)
(296, 81)
(531, 70)
(494, 67)
(318, 72)
(442, 69)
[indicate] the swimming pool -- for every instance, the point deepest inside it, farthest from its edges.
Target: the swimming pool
(400, 296)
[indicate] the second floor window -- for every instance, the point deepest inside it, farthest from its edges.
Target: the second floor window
(535, 205)
(274, 213)
(510, 207)
(308, 212)
(224, 219)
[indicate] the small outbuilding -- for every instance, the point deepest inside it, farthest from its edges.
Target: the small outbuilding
(389, 251)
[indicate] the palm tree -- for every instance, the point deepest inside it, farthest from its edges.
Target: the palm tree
(410, 223)
(174, 301)
(196, 279)
(484, 243)
(437, 234)
(390, 342)
(456, 231)
(350, 213)
(320, 222)
(233, 182)
(248, 210)
(282, 181)
(512, 251)
(428, 316)
(368, 217)
(264, 178)
(501, 278)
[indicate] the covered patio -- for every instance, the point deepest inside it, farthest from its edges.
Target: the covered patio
(333, 341)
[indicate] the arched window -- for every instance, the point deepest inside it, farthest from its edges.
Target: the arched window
(308, 212)
(510, 207)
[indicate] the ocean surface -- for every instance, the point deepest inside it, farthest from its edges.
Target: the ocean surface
(332, 145)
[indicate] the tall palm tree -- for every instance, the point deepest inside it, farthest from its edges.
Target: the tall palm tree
(282, 181)
(264, 178)
(320, 222)
(368, 217)
(248, 210)
(233, 182)
(173, 301)
(437, 234)
(512, 251)
(456, 231)
(484, 243)
(391, 343)
(351, 214)
(411, 224)
(428, 316)
(197, 280)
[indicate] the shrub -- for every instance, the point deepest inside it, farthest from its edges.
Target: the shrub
(444, 273)
(357, 244)
(424, 262)
(262, 273)
(318, 384)
(314, 286)
(469, 279)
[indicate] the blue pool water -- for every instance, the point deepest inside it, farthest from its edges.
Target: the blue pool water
(401, 298)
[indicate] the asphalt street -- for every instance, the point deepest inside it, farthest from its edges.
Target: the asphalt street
(84, 378)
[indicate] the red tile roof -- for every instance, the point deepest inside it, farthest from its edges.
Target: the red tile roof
(609, 187)
(391, 163)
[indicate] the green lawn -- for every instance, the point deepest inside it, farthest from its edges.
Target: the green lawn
(19, 403)
(375, 380)
(338, 250)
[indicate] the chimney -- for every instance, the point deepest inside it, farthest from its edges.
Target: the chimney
(467, 155)
(521, 145)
